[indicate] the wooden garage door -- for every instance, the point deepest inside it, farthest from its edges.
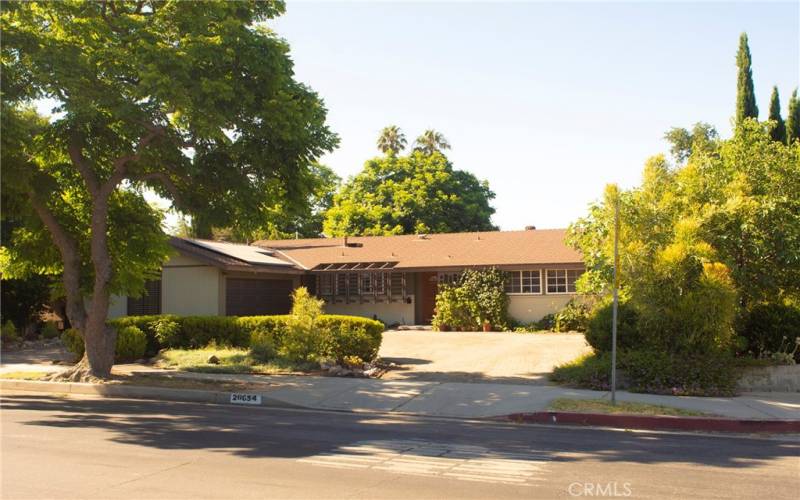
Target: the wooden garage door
(252, 297)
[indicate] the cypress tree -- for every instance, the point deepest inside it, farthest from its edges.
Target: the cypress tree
(745, 95)
(779, 132)
(793, 119)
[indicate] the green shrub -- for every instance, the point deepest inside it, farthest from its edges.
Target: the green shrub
(262, 345)
(147, 324)
(131, 344)
(346, 338)
(547, 322)
(598, 328)
(167, 332)
(49, 330)
(307, 335)
(476, 298)
(573, 317)
(769, 327)
(698, 375)
(73, 342)
(304, 337)
(590, 371)
(653, 372)
(199, 331)
(8, 333)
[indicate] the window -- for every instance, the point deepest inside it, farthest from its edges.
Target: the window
(367, 283)
(448, 278)
(343, 285)
(531, 282)
(149, 302)
(527, 282)
(562, 280)
(325, 285)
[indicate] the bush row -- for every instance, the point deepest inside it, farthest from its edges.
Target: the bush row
(654, 372)
(331, 336)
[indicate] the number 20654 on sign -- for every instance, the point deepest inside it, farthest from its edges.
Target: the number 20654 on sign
(245, 399)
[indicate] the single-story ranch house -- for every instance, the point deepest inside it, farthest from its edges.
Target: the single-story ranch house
(392, 278)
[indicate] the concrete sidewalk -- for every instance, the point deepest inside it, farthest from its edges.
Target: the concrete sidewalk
(465, 400)
(459, 399)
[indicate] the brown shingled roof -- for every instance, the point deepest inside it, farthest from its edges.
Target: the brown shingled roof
(494, 248)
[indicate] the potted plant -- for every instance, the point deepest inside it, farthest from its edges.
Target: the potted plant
(487, 326)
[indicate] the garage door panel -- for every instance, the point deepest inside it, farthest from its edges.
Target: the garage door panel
(252, 297)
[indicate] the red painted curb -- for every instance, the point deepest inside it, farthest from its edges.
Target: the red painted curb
(656, 423)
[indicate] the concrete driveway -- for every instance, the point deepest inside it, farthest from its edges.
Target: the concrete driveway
(478, 357)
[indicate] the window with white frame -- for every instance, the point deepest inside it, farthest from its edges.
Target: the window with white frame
(523, 282)
(562, 280)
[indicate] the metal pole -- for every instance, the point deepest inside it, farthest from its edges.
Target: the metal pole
(616, 303)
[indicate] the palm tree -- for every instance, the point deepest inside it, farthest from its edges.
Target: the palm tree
(431, 142)
(391, 140)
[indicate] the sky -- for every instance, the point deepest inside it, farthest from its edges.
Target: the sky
(549, 102)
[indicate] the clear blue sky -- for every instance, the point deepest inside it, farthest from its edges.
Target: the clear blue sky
(548, 102)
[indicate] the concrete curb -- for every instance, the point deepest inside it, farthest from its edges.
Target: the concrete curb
(704, 424)
(138, 392)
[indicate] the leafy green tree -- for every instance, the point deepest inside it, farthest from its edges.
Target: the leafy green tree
(793, 119)
(194, 100)
(418, 193)
(431, 142)
(745, 95)
(276, 221)
(779, 132)
(391, 141)
(739, 207)
(702, 138)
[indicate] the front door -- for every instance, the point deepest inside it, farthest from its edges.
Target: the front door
(428, 289)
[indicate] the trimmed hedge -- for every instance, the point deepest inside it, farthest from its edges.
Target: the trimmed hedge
(341, 335)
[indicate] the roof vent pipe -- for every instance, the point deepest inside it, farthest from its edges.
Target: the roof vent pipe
(345, 241)
(530, 228)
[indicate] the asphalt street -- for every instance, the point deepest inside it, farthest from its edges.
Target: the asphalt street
(82, 447)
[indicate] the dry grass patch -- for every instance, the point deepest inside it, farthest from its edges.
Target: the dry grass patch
(622, 408)
(231, 360)
(24, 375)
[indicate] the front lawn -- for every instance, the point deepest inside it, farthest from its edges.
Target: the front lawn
(231, 360)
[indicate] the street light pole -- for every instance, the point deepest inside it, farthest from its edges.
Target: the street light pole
(616, 304)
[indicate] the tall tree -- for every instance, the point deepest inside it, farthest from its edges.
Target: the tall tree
(392, 140)
(431, 142)
(793, 119)
(703, 138)
(194, 100)
(779, 132)
(745, 95)
(418, 193)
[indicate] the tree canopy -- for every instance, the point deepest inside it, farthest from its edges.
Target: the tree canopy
(431, 142)
(418, 193)
(779, 130)
(737, 204)
(196, 101)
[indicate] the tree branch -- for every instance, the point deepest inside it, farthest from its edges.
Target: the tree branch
(121, 163)
(70, 254)
(165, 181)
(75, 150)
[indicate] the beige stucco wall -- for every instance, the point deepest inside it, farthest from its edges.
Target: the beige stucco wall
(118, 306)
(530, 308)
(390, 313)
(190, 287)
